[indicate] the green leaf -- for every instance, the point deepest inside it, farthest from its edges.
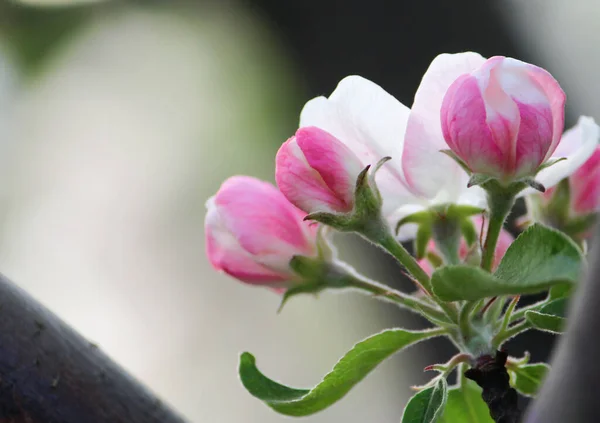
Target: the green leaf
(538, 259)
(465, 405)
(545, 322)
(560, 291)
(541, 257)
(550, 317)
(428, 405)
(351, 369)
(528, 378)
(477, 179)
(556, 308)
(462, 282)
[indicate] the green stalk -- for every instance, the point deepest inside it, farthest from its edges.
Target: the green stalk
(500, 202)
(408, 301)
(511, 332)
(378, 233)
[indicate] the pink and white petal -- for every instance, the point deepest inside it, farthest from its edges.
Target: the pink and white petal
(226, 255)
(378, 118)
(370, 122)
(585, 185)
(576, 145)
(336, 164)
(557, 98)
(474, 137)
(364, 117)
(262, 220)
(426, 169)
(534, 138)
(322, 113)
(302, 185)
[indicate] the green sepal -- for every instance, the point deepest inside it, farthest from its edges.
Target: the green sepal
(550, 317)
(428, 405)
(550, 162)
(465, 405)
(527, 379)
(314, 275)
(462, 211)
(367, 204)
(420, 218)
(458, 160)
(351, 369)
(424, 233)
(557, 209)
(535, 184)
(299, 290)
(478, 179)
(469, 231)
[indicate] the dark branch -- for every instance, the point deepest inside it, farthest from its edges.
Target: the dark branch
(491, 375)
(50, 374)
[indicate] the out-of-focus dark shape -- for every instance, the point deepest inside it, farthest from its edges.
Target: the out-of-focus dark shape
(570, 393)
(51, 374)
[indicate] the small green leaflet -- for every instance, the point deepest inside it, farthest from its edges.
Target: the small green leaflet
(350, 370)
(428, 405)
(528, 378)
(465, 405)
(550, 317)
(537, 260)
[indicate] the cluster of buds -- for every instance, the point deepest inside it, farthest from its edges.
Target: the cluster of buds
(500, 119)
(445, 174)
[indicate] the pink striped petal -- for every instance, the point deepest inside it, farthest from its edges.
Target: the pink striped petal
(585, 186)
(226, 255)
(576, 145)
(426, 170)
(263, 221)
(467, 130)
(371, 123)
(302, 185)
(337, 166)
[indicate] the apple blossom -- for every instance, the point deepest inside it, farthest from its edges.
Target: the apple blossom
(373, 124)
(316, 172)
(252, 232)
(504, 119)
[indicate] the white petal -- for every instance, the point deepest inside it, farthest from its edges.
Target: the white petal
(576, 145)
(363, 116)
(426, 170)
(371, 123)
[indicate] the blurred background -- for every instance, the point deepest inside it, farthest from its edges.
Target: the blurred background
(119, 119)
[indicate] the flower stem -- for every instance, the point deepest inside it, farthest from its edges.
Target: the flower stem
(511, 332)
(408, 301)
(389, 243)
(500, 203)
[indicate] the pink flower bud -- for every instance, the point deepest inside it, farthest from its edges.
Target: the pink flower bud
(252, 232)
(585, 186)
(504, 241)
(504, 119)
(317, 172)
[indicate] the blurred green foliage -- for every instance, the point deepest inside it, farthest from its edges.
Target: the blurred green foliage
(31, 33)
